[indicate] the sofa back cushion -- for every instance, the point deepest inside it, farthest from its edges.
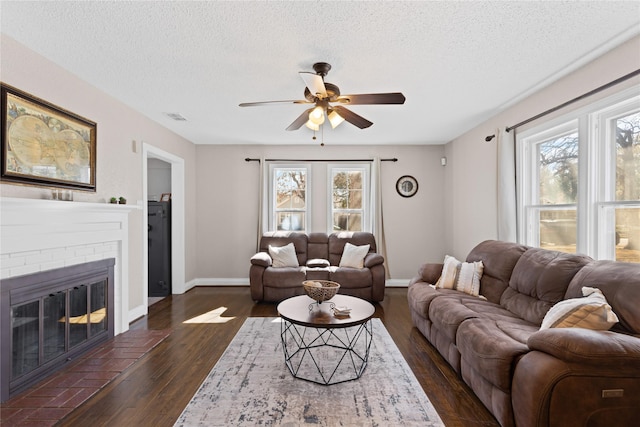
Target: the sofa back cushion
(339, 239)
(318, 246)
(498, 258)
(620, 284)
(539, 280)
(282, 238)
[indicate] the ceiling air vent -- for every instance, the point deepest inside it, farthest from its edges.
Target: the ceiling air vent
(176, 116)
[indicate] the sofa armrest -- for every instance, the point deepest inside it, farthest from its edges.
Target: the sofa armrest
(262, 259)
(586, 346)
(373, 259)
(430, 272)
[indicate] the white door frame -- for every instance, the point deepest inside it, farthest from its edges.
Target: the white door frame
(177, 219)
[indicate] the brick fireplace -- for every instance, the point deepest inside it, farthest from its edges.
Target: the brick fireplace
(40, 236)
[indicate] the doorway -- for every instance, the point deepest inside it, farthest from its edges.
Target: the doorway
(162, 171)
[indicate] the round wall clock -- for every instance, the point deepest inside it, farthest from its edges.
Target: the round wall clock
(407, 186)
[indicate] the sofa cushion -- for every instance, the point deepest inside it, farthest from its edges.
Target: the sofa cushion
(318, 246)
(282, 238)
(285, 277)
(452, 308)
(353, 256)
(499, 258)
(590, 312)
(539, 280)
(283, 256)
(620, 284)
(493, 347)
(351, 278)
(338, 240)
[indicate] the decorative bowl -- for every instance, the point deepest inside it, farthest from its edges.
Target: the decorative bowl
(320, 290)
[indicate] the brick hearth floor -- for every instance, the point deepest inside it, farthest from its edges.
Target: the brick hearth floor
(53, 398)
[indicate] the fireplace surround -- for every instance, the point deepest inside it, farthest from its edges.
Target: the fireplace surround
(49, 318)
(44, 235)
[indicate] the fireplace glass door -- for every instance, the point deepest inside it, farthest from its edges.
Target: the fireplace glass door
(47, 328)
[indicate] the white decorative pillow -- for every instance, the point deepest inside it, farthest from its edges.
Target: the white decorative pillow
(353, 256)
(461, 276)
(283, 256)
(317, 262)
(590, 312)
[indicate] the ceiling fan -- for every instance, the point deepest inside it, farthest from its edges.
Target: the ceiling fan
(329, 102)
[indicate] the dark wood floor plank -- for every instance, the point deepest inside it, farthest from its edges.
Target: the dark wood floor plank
(155, 390)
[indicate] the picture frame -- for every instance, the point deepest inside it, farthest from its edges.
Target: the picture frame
(165, 197)
(407, 186)
(45, 145)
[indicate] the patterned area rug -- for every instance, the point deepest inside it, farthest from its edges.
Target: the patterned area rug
(250, 385)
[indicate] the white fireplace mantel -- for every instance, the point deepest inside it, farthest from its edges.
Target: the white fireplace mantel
(39, 235)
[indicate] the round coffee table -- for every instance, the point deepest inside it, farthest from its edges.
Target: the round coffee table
(320, 347)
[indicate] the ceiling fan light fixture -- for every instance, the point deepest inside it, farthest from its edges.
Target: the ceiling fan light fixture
(316, 115)
(312, 126)
(334, 118)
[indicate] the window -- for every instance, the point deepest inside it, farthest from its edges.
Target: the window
(349, 191)
(289, 202)
(579, 181)
(342, 196)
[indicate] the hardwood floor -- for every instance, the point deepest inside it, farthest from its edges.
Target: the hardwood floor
(155, 390)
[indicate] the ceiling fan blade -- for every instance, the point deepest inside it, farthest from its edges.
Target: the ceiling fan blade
(302, 119)
(352, 117)
(372, 98)
(315, 84)
(255, 104)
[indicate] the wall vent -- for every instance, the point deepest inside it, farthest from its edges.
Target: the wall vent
(176, 116)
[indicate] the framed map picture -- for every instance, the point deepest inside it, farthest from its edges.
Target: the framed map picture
(45, 145)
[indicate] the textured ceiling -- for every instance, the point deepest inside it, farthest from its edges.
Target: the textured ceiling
(457, 63)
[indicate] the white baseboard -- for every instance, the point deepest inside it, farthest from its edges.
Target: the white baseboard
(211, 281)
(222, 282)
(397, 283)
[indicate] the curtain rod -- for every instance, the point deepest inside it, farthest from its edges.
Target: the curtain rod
(571, 101)
(319, 160)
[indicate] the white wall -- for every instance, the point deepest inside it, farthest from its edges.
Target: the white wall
(158, 179)
(471, 179)
(119, 166)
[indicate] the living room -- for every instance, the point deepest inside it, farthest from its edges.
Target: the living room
(454, 209)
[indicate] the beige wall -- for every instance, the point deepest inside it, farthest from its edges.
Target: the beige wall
(471, 177)
(119, 168)
(228, 194)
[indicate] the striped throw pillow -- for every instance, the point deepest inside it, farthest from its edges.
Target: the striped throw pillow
(461, 276)
(590, 312)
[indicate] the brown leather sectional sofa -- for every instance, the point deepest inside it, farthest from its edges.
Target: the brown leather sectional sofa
(526, 376)
(273, 284)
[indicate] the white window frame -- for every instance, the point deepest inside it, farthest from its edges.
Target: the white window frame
(273, 167)
(367, 187)
(596, 173)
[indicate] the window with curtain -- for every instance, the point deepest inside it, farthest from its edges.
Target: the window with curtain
(579, 181)
(349, 192)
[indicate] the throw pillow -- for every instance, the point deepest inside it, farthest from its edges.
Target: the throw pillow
(317, 262)
(590, 312)
(283, 256)
(353, 256)
(461, 276)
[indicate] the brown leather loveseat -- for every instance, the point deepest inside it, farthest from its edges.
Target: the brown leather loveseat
(528, 376)
(318, 257)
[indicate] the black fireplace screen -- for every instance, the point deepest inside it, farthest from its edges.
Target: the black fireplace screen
(54, 317)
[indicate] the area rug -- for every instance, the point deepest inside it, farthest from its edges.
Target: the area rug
(250, 385)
